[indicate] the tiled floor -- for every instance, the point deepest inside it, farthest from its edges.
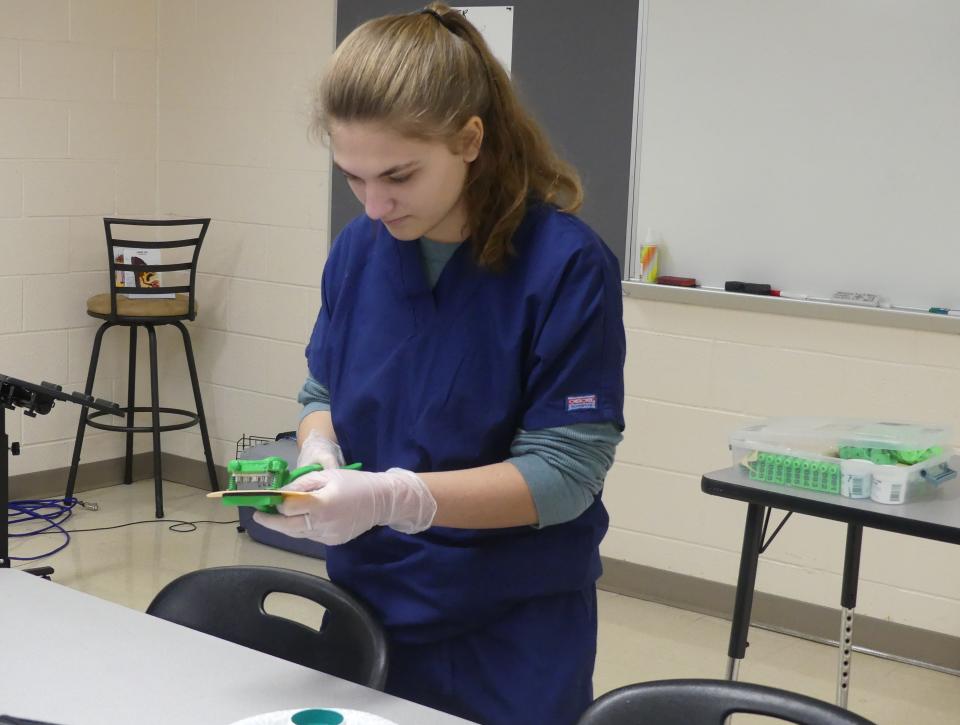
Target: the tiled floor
(639, 641)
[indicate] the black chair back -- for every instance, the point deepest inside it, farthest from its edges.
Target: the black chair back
(709, 702)
(227, 602)
(117, 269)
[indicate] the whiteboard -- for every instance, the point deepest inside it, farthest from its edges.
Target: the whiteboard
(810, 144)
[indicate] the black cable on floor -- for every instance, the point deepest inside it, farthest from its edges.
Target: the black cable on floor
(55, 512)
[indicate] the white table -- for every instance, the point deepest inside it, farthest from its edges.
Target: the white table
(72, 659)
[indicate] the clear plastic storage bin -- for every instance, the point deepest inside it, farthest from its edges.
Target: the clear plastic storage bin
(888, 462)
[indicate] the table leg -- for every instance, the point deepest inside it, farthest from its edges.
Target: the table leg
(746, 580)
(848, 602)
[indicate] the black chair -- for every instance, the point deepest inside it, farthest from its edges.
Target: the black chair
(709, 702)
(227, 602)
(116, 309)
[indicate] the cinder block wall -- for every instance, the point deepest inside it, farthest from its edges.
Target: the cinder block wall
(78, 141)
(235, 88)
(694, 374)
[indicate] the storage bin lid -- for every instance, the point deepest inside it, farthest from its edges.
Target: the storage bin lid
(819, 433)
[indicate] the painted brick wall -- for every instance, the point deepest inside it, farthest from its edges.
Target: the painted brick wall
(694, 374)
(78, 141)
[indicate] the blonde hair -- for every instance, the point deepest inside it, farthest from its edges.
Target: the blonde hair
(424, 75)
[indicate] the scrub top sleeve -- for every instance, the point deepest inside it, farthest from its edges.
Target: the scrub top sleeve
(315, 353)
(577, 351)
(316, 357)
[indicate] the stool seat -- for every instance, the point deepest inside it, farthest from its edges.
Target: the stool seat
(99, 306)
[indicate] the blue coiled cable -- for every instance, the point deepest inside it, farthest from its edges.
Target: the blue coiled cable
(55, 511)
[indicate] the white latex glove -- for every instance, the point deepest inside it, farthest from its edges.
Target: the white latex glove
(318, 449)
(345, 503)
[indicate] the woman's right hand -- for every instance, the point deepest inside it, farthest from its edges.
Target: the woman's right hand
(320, 449)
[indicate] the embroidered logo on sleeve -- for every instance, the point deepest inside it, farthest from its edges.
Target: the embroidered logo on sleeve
(581, 402)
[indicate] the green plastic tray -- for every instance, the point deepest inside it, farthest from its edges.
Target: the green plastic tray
(796, 472)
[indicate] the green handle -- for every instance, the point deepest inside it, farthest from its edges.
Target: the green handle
(297, 472)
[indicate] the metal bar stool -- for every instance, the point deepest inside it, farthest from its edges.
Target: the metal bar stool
(117, 309)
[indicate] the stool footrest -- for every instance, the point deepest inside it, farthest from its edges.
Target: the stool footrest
(192, 419)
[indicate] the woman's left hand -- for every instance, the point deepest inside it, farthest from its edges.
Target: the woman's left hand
(344, 503)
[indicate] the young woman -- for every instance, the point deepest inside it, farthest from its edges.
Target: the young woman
(469, 352)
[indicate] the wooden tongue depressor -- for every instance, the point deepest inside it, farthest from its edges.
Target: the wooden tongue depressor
(257, 492)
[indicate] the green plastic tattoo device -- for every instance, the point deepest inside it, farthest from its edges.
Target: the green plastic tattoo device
(257, 483)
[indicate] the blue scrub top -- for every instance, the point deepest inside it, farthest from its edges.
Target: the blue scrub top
(442, 380)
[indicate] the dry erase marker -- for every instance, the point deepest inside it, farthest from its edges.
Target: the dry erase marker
(945, 311)
(793, 295)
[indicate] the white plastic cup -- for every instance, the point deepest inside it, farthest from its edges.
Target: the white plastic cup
(856, 479)
(890, 484)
